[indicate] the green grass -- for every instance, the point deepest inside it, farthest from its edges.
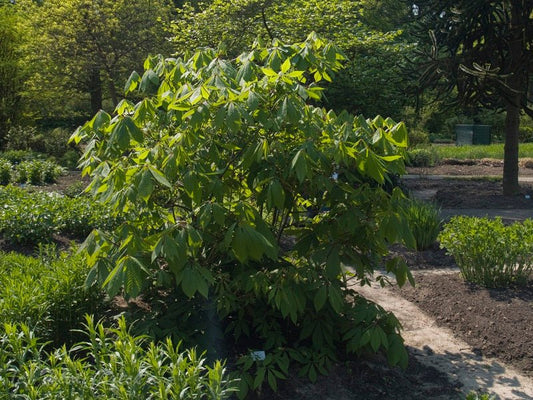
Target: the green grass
(481, 151)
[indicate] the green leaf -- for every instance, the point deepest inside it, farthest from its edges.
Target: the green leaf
(299, 165)
(286, 65)
(333, 265)
(276, 194)
(149, 82)
(272, 381)
(146, 186)
(320, 298)
(335, 298)
(132, 82)
(133, 130)
(100, 120)
(189, 282)
(159, 177)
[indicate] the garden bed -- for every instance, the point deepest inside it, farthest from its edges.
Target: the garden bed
(494, 322)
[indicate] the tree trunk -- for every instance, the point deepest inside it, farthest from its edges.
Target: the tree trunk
(113, 92)
(95, 90)
(517, 87)
(510, 163)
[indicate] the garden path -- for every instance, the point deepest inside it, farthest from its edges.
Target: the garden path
(438, 347)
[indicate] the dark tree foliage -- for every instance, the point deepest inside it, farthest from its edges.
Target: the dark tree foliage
(484, 50)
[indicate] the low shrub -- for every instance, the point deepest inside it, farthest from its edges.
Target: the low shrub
(37, 172)
(488, 252)
(114, 365)
(418, 137)
(30, 218)
(47, 293)
(6, 171)
(424, 221)
(423, 157)
(69, 160)
(17, 156)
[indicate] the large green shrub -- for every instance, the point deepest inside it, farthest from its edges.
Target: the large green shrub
(47, 293)
(110, 364)
(224, 164)
(489, 252)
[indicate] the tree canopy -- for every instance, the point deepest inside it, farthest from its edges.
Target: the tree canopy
(83, 50)
(371, 84)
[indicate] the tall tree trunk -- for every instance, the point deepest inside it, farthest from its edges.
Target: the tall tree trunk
(95, 90)
(510, 163)
(517, 85)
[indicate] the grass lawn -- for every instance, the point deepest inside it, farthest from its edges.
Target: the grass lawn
(525, 150)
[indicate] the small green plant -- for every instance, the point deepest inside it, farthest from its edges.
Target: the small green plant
(418, 137)
(424, 221)
(422, 157)
(37, 172)
(479, 396)
(69, 160)
(6, 171)
(110, 364)
(75, 189)
(488, 252)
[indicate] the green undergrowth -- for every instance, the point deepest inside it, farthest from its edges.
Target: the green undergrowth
(34, 172)
(46, 292)
(110, 364)
(34, 217)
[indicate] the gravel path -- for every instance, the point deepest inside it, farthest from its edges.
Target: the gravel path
(438, 347)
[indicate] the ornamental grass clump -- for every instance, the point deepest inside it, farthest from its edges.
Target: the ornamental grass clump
(488, 252)
(424, 221)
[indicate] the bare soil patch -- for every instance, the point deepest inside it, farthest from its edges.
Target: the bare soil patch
(471, 193)
(484, 167)
(495, 322)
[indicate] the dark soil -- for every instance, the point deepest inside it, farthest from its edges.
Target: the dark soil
(495, 322)
(485, 167)
(370, 380)
(471, 193)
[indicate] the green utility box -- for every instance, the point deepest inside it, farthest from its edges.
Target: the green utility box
(467, 134)
(481, 134)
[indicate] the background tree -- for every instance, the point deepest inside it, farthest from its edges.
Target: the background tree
(372, 82)
(11, 67)
(82, 50)
(484, 51)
